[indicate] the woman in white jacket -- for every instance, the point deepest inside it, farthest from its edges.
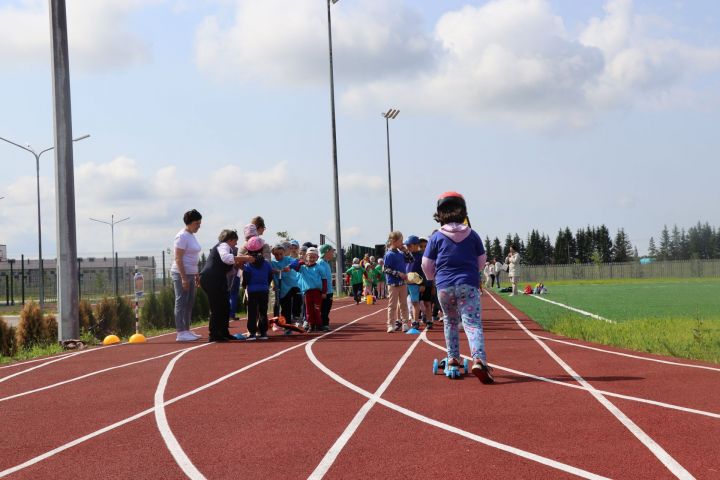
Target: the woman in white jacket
(513, 261)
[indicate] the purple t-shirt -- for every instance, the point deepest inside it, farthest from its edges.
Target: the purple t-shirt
(455, 263)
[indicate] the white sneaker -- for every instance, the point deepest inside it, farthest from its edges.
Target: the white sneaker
(185, 337)
(511, 295)
(405, 327)
(390, 329)
(194, 334)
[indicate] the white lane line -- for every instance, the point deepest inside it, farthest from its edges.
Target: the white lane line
(171, 441)
(670, 463)
(577, 310)
(87, 375)
(580, 387)
(17, 374)
(127, 420)
(349, 431)
(177, 452)
(638, 357)
(449, 428)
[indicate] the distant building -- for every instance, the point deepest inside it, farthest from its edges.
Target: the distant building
(3, 253)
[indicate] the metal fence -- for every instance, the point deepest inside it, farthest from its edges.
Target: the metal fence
(18, 287)
(612, 271)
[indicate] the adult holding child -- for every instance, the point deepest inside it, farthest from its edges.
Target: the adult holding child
(214, 281)
(454, 258)
(184, 274)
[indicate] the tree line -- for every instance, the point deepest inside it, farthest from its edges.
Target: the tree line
(595, 245)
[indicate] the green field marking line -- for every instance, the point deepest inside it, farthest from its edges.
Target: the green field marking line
(667, 362)
(577, 310)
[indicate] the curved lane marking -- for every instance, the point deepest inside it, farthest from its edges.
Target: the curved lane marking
(177, 452)
(141, 414)
(449, 428)
(87, 375)
(670, 463)
(349, 431)
(580, 387)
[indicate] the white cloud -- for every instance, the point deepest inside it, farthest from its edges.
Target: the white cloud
(98, 31)
(358, 181)
(514, 60)
(285, 43)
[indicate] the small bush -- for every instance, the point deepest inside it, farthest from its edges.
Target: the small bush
(32, 329)
(51, 328)
(167, 306)
(125, 317)
(201, 307)
(87, 317)
(8, 345)
(151, 314)
(106, 316)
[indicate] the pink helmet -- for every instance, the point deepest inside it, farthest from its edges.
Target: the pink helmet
(255, 244)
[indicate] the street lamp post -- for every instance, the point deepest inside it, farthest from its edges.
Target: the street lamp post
(338, 258)
(112, 224)
(37, 156)
(390, 115)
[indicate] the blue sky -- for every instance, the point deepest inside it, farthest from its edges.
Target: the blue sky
(544, 114)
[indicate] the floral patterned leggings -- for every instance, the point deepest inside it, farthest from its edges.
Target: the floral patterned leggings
(462, 303)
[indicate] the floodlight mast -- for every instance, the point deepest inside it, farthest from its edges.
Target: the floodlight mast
(390, 115)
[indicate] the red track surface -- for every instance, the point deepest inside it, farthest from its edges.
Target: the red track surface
(360, 403)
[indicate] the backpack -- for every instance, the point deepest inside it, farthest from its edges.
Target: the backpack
(528, 290)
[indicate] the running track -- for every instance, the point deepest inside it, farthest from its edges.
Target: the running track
(360, 403)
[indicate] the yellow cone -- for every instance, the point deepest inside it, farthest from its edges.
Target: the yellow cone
(111, 340)
(137, 338)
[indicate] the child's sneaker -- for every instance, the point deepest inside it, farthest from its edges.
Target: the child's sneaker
(405, 327)
(428, 325)
(263, 337)
(306, 326)
(483, 371)
(398, 325)
(250, 336)
(390, 329)
(416, 325)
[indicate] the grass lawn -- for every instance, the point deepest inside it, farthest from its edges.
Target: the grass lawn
(671, 317)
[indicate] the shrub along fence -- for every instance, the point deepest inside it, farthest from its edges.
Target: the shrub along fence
(608, 271)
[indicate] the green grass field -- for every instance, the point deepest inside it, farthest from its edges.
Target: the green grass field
(671, 317)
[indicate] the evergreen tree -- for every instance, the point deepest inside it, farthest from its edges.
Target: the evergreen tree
(675, 242)
(572, 245)
(562, 249)
(497, 252)
(487, 246)
(622, 250)
(664, 252)
(603, 244)
(652, 250)
(506, 247)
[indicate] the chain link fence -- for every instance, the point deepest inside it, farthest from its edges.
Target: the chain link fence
(615, 271)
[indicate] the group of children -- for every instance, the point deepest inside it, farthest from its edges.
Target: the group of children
(302, 280)
(419, 273)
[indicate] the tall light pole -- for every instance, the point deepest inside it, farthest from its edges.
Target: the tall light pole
(37, 156)
(339, 257)
(390, 115)
(112, 224)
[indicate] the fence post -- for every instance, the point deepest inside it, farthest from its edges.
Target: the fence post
(163, 265)
(22, 277)
(12, 282)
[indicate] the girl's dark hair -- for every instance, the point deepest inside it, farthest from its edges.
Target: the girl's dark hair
(258, 222)
(451, 213)
(227, 235)
(191, 216)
